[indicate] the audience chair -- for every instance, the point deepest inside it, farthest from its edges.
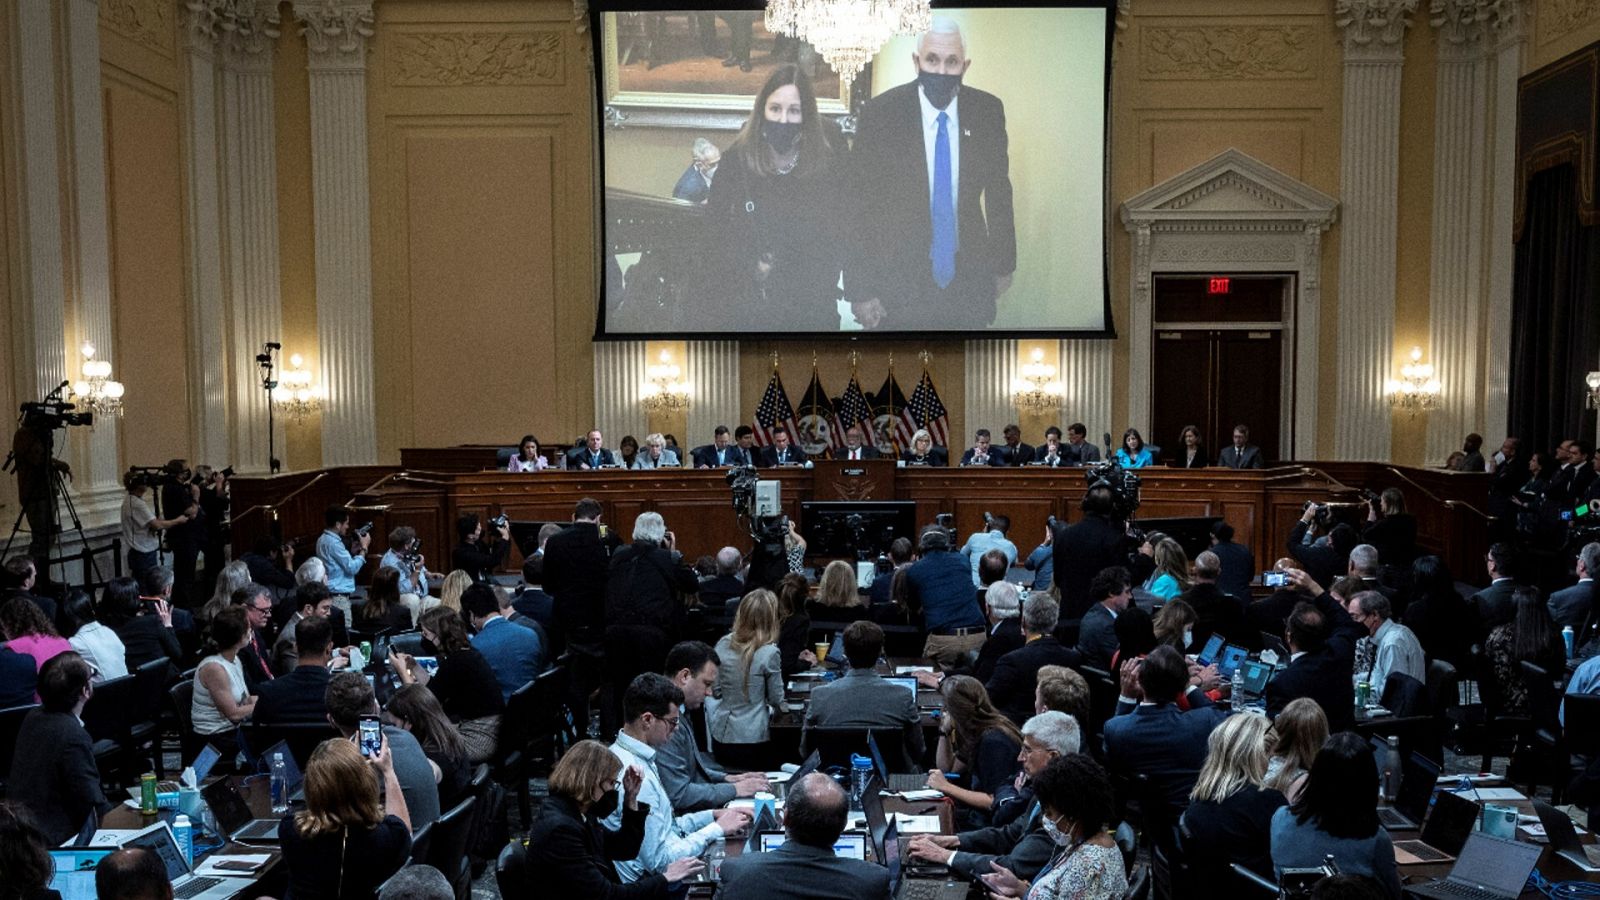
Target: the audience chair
(509, 766)
(147, 722)
(447, 849)
(1546, 740)
(1103, 693)
(1502, 734)
(421, 839)
(302, 738)
(106, 717)
(1138, 883)
(551, 731)
(510, 870)
(1413, 722)
(1249, 884)
(835, 744)
(10, 727)
(1128, 843)
(478, 788)
(189, 743)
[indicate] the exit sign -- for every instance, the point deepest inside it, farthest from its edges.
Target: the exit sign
(1217, 286)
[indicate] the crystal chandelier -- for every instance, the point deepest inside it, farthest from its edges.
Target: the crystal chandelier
(1593, 381)
(663, 391)
(1416, 389)
(847, 33)
(1037, 390)
(97, 391)
(300, 398)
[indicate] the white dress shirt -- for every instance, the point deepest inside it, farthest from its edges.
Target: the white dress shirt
(1398, 650)
(666, 837)
(930, 135)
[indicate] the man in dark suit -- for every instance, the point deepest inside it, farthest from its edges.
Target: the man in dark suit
(1324, 560)
(716, 591)
(1002, 606)
(1241, 454)
(862, 699)
(256, 655)
(1494, 604)
(856, 446)
(1215, 611)
(592, 455)
(1016, 674)
(1570, 606)
(695, 183)
(1078, 450)
(720, 453)
(1508, 472)
(53, 773)
(1155, 738)
(783, 451)
(937, 245)
(981, 453)
(577, 561)
(805, 868)
(19, 576)
(1238, 563)
(1391, 529)
(299, 696)
(1014, 452)
(1321, 638)
(1109, 593)
(1084, 549)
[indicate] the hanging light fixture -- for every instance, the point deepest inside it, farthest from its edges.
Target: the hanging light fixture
(1037, 390)
(663, 390)
(299, 398)
(847, 33)
(96, 390)
(1416, 389)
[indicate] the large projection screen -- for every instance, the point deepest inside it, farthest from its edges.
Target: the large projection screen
(894, 206)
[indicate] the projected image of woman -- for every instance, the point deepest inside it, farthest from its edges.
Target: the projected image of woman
(769, 211)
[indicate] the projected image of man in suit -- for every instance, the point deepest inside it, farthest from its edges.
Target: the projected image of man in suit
(937, 242)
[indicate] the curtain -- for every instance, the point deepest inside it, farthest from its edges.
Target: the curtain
(1555, 314)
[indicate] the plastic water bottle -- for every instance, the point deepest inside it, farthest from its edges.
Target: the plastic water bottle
(1567, 637)
(184, 832)
(280, 785)
(716, 852)
(1236, 693)
(860, 771)
(1391, 768)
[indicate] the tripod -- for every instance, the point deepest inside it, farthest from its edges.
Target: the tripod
(58, 491)
(269, 383)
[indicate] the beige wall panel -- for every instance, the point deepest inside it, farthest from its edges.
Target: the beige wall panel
(297, 267)
(145, 210)
(650, 160)
(1413, 258)
(1559, 28)
(11, 303)
(141, 38)
(480, 272)
(1176, 147)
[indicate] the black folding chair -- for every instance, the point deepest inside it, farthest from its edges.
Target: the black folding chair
(447, 849)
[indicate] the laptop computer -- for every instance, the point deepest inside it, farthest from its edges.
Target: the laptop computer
(1230, 659)
(1256, 674)
(764, 822)
(1490, 868)
(905, 886)
(1418, 778)
(159, 839)
(1447, 829)
(836, 651)
(897, 782)
(202, 766)
(291, 770)
(1208, 653)
(908, 682)
(74, 871)
(1564, 838)
(850, 844)
(234, 819)
(872, 810)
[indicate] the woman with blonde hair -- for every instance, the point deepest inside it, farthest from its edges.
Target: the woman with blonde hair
(1229, 819)
(749, 684)
(570, 854)
(1298, 733)
(344, 844)
(1174, 625)
(450, 591)
(922, 451)
(233, 576)
(838, 598)
(1171, 576)
(976, 739)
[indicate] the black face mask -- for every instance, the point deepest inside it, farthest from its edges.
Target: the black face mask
(940, 88)
(605, 806)
(780, 135)
(429, 648)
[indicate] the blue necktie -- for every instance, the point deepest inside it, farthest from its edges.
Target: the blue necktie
(943, 209)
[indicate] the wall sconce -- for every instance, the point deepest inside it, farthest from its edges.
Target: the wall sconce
(663, 390)
(300, 398)
(1037, 390)
(1593, 381)
(1416, 389)
(97, 391)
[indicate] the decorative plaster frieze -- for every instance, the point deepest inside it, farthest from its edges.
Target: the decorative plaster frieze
(1226, 52)
(145, 22)
(431, 59)
(1227, 252)
(1560, 18)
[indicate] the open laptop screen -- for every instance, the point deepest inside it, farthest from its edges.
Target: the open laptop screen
(74, 872)
(850, 845)
(907, 682)
(1231, 658)
(158, 839)
(1496, 865)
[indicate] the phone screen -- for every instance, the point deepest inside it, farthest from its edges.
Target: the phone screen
(1274, 579)
(371, 739)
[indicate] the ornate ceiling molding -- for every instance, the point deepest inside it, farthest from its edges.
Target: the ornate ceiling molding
(439, 58)
(1226, 52)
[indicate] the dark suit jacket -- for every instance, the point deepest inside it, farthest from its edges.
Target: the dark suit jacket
(571, 856)
(1097, 636)
(1021, 845)
(45, 604)
(1494, 605)
(994, 458)
(937, 456)
(867, 452)
(706, 455)
(1570, 606)
(1238, 568)
(1016, 675)
(1323, 675)
(1163, 743)
(1082, 454)
(18, 677)
(716, 592)
(1180, 458)
(54, 775)
(1219, 613)
(295, 697)
(1321, 561)
(1004, 638)
(1395, 537)
(896, 229)
(144, 638)
(576, 561)
(1023, 454)
(791, 454)
(795, 871)
(578, 457)
(1234, 458)
(1081, 551)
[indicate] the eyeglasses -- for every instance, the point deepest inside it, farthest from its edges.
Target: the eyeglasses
(1028, 749)
(261, 609)
(672, 723)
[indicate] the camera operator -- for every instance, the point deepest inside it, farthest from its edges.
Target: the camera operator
(336, 549)
(1325, 559)
(35, 465)
(180, 494)
(1083, 549)
(473, 555)
(140, 527)
(271, 563)
(404, 557)
(1390, 528)
(214, 502)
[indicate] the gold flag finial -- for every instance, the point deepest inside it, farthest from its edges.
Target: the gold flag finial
(925, 356)
(774, 360)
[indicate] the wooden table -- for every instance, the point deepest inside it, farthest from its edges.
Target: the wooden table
(270, 879)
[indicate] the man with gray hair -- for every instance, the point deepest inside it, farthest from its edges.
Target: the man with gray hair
(956, 196)
(1570, 606)
(1365, 563)
(1389, 647)
(1011, 687)
(643, 606)
(718, 589)
(417, 882)
(695, 183)
(1215, 612)
(1021, 845)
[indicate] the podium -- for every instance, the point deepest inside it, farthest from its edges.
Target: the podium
(852, 480)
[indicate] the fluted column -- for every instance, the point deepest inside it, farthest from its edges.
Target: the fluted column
(619, 373)
(336, 37)
(713, 373)
(1455, 302)
(203, 228)
(1139, 331)
(1086, 374)
(1369, 151)
(990, 367)
(42, 264)
(250, 174)
(1506, 29)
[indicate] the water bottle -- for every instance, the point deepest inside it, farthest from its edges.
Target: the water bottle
(1236, 693)
(280, 785)
(1391, 768)
(184, 832)
(1567, 638)
(716, 852)
(860, 771)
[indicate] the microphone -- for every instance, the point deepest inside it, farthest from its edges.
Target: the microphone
(1106, 436)
(274, 345)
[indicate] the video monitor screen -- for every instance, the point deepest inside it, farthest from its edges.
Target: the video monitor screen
(957, 184)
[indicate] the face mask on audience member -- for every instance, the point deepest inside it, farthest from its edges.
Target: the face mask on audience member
(605, 806)
(429, 648)
(1188, 637)
(781, 135)
(939, 86)
(1061, 838)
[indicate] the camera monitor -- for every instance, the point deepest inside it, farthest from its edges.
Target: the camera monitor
(842, 529)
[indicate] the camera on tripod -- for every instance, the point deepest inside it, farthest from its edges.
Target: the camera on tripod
(152, 476)
(53, 414)
(1122, 483)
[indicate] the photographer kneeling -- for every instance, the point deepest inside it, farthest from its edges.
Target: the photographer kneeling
(475, 557)
(141, 530)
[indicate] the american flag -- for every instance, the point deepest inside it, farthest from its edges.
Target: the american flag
(850, 410)
(893, 418)
(928, 412)
(773, 412)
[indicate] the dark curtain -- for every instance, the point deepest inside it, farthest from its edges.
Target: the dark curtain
(1555, 313)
